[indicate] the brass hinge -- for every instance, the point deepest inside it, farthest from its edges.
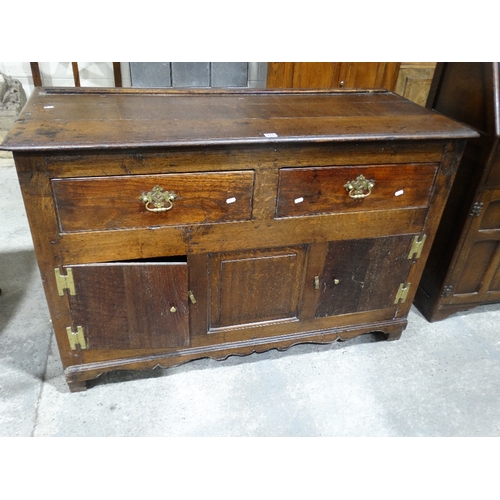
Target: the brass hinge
(476, 209)
(65, 282)
(76, 338)
(417, 246)
(191, 297)
(402, 293)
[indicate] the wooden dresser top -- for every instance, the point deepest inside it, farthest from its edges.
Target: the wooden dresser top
(69, 118)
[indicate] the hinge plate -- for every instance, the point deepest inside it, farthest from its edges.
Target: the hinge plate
(417, 246)
(402, 293)
(65, 282)
(76, 338)
(476, 209)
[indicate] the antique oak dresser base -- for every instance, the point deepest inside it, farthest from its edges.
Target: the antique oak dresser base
(173, 226)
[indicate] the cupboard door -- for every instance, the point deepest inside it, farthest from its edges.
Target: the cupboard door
(361, 75)
(255, 286)
(131, 305)
(478, 274)
(482, 256)
(369, 75)
(363, 275)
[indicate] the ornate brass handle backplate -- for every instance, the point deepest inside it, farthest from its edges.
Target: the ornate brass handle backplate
(359, 188)
(158, 200)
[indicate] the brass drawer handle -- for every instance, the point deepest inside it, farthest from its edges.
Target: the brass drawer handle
(158, 200)
(360, 188)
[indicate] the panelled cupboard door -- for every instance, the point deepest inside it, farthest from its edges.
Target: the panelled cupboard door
(324, 75)
(136, 305)
(362, 275)
(478, 278)
(368, 75)
(255, 287)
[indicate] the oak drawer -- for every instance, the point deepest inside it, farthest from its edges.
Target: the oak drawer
(114, 202)
(314, 190)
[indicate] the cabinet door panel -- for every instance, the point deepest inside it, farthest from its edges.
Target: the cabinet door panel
(491, 217)
(480, 255)
(363, 275)
(255, 286)
(476, 270)
(131, 305)
(495, 282)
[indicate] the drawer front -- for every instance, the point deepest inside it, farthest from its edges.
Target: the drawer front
(315, 190)
(123, 202)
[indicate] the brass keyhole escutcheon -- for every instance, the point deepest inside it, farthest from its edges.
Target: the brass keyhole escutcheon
(336, 281)
(359, 188)
(173, 309)
(158, 200)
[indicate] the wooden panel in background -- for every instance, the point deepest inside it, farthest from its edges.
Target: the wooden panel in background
(414, 81)
(361, 75)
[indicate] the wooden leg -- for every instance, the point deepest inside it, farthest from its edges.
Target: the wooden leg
(76, 385)
(394, 335)
(396, 332)
(443, 313)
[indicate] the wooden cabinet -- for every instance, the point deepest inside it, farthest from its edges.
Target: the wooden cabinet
(408, 79)
(171, 225)
(332, 75)
(463, 270)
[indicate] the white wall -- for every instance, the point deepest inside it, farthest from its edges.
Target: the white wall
(60, 74)
(95, 74)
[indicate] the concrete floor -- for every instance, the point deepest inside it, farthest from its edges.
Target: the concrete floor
(440, 379)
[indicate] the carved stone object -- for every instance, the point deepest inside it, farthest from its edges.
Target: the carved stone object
(12, 94)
